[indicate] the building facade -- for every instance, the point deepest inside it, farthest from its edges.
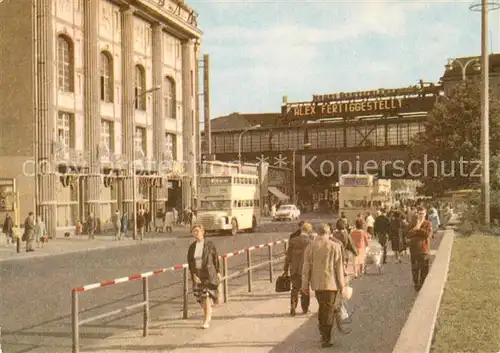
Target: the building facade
(94, 91)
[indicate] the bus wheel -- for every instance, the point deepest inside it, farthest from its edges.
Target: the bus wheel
(234, 227)
(254, 225)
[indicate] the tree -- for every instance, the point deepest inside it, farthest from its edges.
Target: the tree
(452, 135)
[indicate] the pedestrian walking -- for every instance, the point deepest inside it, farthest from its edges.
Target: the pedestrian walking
(7, 229)
(40, 232)
(370, 223)
(176, 216)
(294, 262)
(397, 231)
(203, 262)
(340, 234)
(434, 219)
(360, 239)
(323, 271)
(124, 225)
(91, 225)
(147, 220)
(419, 243)
(29, 225)
(381, 228)
(117, 224)
(141, 223)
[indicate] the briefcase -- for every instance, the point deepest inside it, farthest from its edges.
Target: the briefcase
(283, 284)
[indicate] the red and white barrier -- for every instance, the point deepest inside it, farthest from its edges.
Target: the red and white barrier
(168, 269)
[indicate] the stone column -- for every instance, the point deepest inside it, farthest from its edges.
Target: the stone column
(188, 128)
(91, 104)
(45, 116)
(128, 109)
(158, 116)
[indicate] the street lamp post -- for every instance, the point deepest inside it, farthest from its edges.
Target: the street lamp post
(239, 141)
(134, 173)
(475, 66)
(485, 6)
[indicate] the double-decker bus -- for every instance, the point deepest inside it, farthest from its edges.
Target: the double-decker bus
(362, 193)
(229, 203)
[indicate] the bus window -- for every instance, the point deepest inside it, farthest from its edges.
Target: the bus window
(251, 203)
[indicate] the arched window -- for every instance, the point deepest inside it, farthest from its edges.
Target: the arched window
(140, 86)
(106, 76)
(65, 64)
(169, 97)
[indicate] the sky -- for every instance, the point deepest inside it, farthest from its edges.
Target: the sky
(261, 51)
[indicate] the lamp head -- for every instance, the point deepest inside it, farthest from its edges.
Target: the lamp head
(307, 145)
(476, 67)
(448, 66)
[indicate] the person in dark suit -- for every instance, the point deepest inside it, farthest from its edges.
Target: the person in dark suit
(203, 262)
(382, 228)
(298, 231)
(293, 262)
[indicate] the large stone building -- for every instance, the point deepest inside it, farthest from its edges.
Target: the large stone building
(87, 87)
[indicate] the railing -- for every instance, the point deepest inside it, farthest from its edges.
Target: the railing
(75, 314)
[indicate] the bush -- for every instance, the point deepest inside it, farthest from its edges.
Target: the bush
(472, 218)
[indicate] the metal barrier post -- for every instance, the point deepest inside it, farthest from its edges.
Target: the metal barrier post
(185, 293)
(249, 272)
(270, 250)
(285, 244)
(18, 245)
(74, 321)
(226, 282)
(145, 294)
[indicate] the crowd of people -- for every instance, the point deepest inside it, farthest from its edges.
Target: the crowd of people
(320, 259)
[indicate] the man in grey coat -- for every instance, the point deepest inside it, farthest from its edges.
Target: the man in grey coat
(29, 225)
(323, 271)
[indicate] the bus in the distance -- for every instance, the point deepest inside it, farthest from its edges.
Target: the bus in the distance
(362, 193)
(228, 204)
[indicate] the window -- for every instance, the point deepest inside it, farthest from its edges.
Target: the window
(169, 97)
(171, 146)
(107, 135)
(392, 135)
(140, 84)
(65, 134)
(140, 141)
(380, 135)
(106, 77)
(246, 142)
(351, 136)
(403, 134)
(65, 64)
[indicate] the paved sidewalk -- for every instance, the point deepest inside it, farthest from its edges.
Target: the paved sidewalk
(259, 322)
(79, 243)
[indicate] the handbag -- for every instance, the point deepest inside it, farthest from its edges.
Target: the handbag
(283, 284)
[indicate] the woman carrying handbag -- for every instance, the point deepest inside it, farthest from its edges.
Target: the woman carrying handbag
(203, 262)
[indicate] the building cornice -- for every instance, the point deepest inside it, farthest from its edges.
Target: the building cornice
(180, 21)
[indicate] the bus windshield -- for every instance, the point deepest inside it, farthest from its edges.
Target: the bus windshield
(215, 205)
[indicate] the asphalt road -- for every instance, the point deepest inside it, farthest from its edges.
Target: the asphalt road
(35, 294)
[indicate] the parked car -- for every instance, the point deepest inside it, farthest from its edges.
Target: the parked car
(287, 212)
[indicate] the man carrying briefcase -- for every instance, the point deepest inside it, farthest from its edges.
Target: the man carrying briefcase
(294, 262)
